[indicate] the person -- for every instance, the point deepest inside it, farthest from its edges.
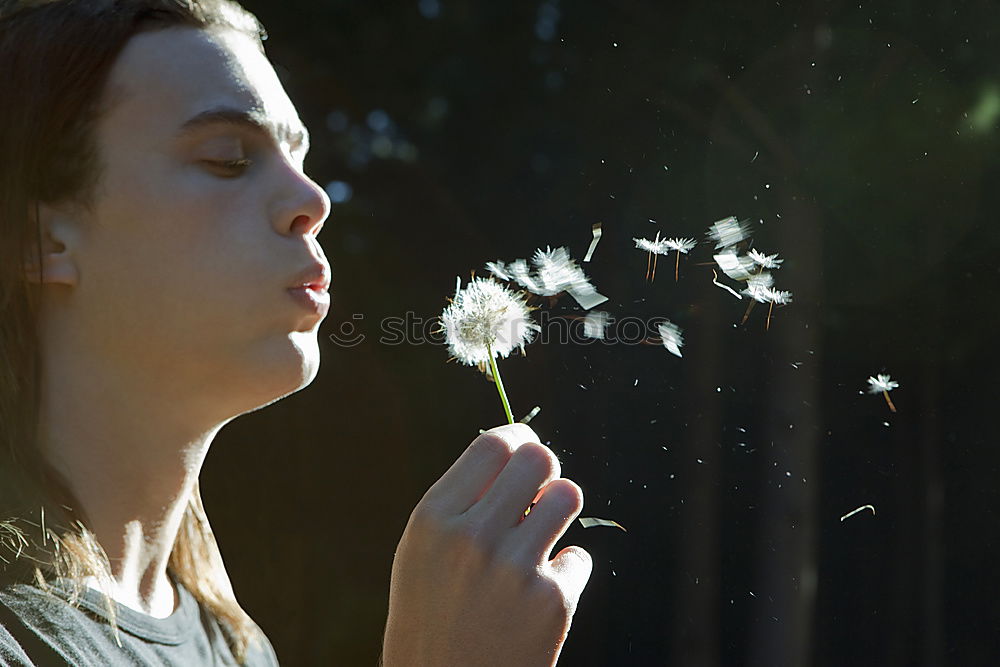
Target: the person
(160, 275)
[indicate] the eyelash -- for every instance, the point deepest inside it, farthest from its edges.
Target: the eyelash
(238, 166)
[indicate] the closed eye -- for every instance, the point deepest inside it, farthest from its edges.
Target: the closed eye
(228, 168)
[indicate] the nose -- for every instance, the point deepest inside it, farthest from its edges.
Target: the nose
(304, 208)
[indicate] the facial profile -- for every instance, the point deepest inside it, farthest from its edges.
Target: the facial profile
(197, 260)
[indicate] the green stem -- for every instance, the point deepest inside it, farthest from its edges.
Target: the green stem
(499, 383)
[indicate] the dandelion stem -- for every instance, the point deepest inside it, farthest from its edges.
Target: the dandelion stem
(888, 400)
(767, 327)
(654, 268)
(746, 315)
(499, 383)
(649, 263)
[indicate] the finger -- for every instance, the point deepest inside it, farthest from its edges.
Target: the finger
(530, 468)
(571, 568)
(559, 503)
(468, 478)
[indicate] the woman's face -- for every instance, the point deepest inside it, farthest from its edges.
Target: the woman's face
(202, 221)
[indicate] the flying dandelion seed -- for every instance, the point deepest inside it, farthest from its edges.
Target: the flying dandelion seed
(521, 273)
(760, 288)
(595, 230)
(595, 324)
(737, 267)
(860, 509)
(485, 320)
(779, 297)
(757, 288)
(670, 335)
(728, 232)
(765, 261)
(551, 273)
(499, 269)
(591, 521)
(715, 281)
(654, 247)
(883, 385)
(679, 246)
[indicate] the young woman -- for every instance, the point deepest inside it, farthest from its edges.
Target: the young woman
(160, 276)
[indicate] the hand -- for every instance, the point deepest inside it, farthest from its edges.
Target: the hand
(472, 583)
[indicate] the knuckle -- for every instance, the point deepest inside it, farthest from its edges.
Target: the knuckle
(455, 545)
(426, 517)
(491, 445)
(568, 493)
(539, 459)
(549, 596)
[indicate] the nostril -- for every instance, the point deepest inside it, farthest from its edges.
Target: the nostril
(302, 224)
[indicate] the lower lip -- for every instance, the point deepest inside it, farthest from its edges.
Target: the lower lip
(317, 301)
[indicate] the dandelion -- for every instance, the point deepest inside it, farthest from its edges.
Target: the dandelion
(883, 385)
(670, 335)
(485, 320)
(679, 246)
(728, 232)
(765, 261)
(655, 247)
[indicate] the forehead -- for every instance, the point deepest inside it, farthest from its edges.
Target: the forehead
(164, 78)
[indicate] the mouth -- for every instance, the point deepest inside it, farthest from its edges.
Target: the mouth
(313, 297)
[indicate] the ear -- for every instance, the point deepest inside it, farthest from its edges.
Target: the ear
(59, 231)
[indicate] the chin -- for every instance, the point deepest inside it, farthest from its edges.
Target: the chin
(286, 367)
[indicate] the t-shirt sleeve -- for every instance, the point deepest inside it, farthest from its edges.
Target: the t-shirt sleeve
(11, 653)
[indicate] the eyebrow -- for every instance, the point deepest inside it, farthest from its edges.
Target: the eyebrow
(253, 120)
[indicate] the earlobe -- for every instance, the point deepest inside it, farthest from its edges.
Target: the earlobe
(57, 264)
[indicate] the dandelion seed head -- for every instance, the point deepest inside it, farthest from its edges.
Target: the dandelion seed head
(671, 336)
(876, 385)
(486, 317)
(765, 261)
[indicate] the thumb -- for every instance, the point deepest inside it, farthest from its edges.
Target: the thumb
(571, 568)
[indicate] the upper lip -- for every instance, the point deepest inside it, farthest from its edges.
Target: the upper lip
(316, 277)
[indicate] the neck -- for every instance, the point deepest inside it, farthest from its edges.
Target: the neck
(131, 452)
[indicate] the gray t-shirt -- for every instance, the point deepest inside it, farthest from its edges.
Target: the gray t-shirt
(39, 629)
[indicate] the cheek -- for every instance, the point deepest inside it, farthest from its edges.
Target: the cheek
(190, 258)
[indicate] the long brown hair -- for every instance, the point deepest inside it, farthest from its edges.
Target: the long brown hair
(55, 58)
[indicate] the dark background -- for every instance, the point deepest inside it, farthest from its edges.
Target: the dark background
(860, 140)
